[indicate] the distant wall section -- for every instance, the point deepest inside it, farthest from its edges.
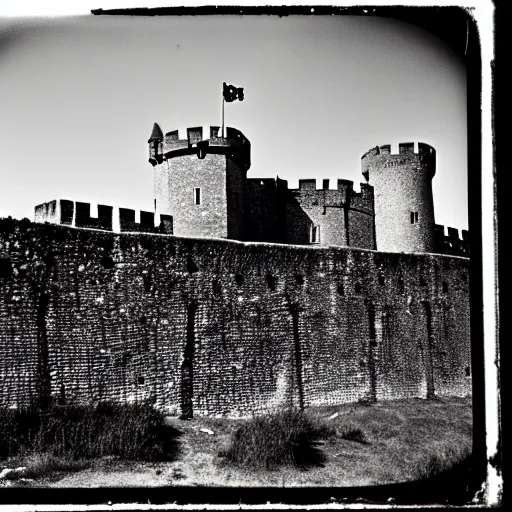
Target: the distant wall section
(77, 214)
(324, 216)
(265, 219)
(451, 242)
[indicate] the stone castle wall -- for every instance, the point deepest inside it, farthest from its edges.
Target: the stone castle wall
(219, 327)
(77, 214)
(234, 191)
(342, 215)
(452, 242)
(265, 220)
(180, 177)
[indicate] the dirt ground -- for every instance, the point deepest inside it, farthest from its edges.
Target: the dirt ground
(401, 438)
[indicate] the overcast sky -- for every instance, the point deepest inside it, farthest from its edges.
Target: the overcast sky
(78, 98)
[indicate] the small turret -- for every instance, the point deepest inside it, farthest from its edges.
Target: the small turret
(155, 142)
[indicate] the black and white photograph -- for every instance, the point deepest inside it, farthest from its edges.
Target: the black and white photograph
(241, 257)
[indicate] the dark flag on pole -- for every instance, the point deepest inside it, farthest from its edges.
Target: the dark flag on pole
(232, 93)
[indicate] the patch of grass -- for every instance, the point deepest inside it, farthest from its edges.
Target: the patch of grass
(43, 464)
(449, 462)
(129, 431)
(351, 433)
(288, 438)
(380, 424)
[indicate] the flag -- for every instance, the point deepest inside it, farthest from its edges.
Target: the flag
(232, 93)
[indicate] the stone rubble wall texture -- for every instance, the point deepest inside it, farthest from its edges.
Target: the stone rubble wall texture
(217, 327)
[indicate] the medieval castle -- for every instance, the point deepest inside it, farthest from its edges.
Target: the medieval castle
(238, 295)
(201, 190)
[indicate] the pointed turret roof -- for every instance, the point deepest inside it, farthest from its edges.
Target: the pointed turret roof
(156, 133)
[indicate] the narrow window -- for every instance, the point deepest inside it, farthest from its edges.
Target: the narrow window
(271, 281)
(155, 205)
(414, 217)
(197, 196)
(315, 234)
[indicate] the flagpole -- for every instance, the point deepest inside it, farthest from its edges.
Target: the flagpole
(223, 101)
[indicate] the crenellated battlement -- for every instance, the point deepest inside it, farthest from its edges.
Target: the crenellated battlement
(200, 141)
(403, 149)
(78, 214)
(451, 242)
(310, 184)
(343, 196)
(380, 158)
(147, 224)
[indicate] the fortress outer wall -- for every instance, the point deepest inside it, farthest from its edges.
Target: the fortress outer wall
(216, 327)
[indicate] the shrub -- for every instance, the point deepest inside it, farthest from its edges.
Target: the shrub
(18, 429)
(286, 438)
(129, 431)
(353, 434)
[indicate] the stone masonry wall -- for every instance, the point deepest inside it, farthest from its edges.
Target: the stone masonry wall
(175, 180)
(215, 327)
(344, 217)
(451, 243)
(235, 195)
(262, 219)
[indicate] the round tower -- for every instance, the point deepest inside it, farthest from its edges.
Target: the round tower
(199, 179)
(404, 205)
